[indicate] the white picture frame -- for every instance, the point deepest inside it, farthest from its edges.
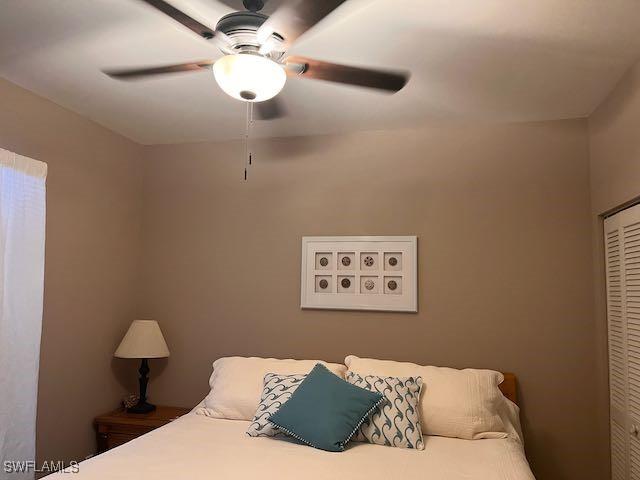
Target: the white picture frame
(360, 273)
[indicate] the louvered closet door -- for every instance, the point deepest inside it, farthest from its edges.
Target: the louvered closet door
(622, 250)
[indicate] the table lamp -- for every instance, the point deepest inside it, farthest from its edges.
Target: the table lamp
(143, 340)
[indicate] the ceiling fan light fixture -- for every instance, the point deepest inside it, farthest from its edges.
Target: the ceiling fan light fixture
(249, 77)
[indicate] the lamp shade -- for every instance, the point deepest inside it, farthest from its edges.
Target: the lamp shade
(143, 340)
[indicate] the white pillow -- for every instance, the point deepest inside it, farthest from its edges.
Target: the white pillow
(455, 403)
(236, 383)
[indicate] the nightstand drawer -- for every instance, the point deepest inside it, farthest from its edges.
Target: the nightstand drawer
(115, 439)
(134, 430)
(119, 427)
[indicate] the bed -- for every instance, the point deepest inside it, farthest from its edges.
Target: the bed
(198, 447)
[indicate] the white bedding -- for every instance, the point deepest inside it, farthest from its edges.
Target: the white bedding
(197, 447)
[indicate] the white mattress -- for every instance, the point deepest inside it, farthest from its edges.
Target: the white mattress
(196, 447)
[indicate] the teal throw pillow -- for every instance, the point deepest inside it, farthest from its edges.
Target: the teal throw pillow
(325, 411)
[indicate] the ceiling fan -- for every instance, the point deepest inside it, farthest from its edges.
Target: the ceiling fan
(255, 67)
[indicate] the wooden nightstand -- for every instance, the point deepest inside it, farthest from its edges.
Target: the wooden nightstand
(118, 427)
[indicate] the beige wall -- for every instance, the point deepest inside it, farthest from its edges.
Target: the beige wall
(615, 145)
(91, 263)
(503, 219)
(615, 180)
(504, 225)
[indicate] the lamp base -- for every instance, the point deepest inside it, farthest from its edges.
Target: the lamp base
(141, 407)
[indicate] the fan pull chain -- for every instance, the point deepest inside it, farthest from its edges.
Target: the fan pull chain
(248, 154)
(250, 130)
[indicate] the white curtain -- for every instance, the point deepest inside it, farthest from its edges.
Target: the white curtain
(22, 222)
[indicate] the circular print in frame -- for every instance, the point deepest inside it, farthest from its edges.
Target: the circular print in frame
(368, 261)
(369, 284)
(345, 282)
(392, 284)
(324, 261)
(323, 284)
(346, 261)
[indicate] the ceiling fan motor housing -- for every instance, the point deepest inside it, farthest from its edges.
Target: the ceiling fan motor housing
(253, 5)
(242, 29)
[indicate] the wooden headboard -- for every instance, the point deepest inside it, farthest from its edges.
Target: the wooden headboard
(508, 387)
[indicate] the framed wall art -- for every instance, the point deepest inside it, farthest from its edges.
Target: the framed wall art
(360, 273)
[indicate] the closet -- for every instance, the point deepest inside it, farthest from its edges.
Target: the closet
(622, 252)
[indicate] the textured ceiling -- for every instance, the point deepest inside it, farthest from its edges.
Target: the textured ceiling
(489, 60)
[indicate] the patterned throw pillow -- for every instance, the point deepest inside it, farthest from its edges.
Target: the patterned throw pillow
(395, 421)
(277, 390)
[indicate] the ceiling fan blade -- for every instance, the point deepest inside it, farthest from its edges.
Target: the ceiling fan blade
(192, 24)
(296, 17)
(363, 77)
(270, 109)
(137, 73)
